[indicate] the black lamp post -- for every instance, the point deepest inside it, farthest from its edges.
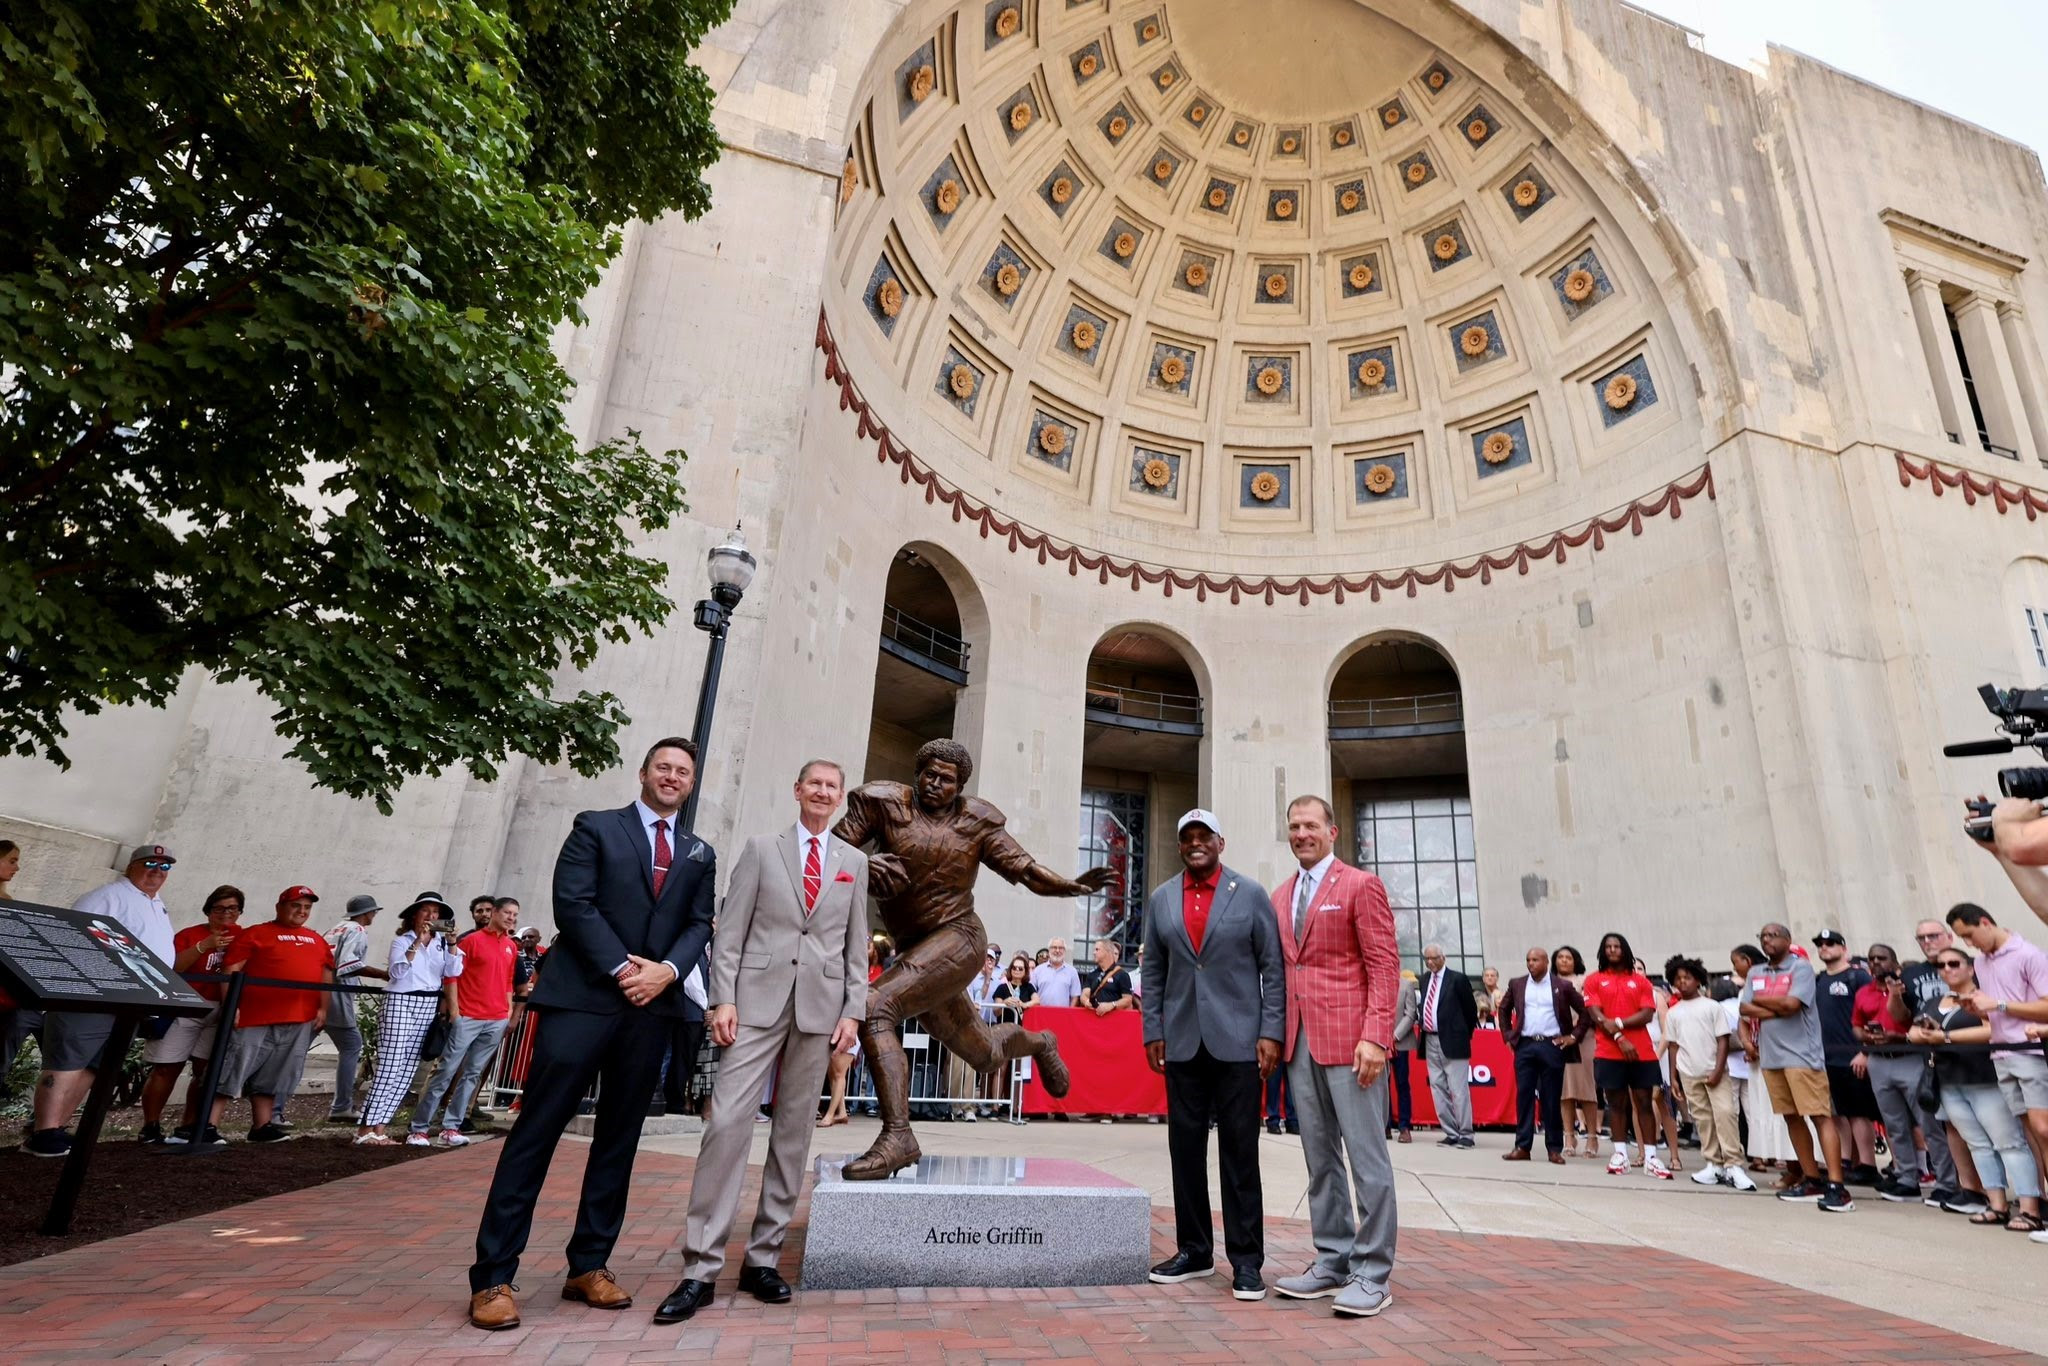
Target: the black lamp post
(732, 569)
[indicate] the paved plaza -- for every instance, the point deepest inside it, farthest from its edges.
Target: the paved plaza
(371, 1269)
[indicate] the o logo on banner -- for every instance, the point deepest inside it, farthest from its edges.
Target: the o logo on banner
(1482, 1075)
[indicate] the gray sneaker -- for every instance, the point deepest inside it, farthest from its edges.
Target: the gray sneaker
(1359, 1300)
(1316, 1283)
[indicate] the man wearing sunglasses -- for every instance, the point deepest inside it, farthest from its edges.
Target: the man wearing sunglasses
(1923, 992)
(72, 1043)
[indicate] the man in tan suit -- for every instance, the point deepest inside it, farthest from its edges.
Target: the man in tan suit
(789, 984)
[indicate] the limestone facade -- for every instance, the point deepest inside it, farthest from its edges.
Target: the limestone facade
(1695, 415)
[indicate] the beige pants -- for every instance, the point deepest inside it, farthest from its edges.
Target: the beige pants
(743, 1070)
(1713, 1114)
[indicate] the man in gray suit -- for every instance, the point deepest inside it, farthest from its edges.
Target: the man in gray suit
(1215, 1007)
(789, 984)
(1407, 1009)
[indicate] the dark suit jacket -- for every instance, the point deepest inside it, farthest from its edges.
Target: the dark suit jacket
(1564, 999)
(1457, 1014)
(606, 909)
(1231, 994)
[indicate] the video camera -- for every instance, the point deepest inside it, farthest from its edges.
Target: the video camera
(2023, 717)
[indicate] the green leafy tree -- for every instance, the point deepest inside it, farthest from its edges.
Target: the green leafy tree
(278, 281)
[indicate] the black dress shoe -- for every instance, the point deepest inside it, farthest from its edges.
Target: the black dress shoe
(765, 1284)
(1182, 1266)
(686, 1300)
(1247, 1284)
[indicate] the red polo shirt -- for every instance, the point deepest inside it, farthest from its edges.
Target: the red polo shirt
(1873, 1007)
(1195, 900)
(484, 990)
(192, 934)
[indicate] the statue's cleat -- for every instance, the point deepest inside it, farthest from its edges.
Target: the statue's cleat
(893, 1150)
(1052, 1070)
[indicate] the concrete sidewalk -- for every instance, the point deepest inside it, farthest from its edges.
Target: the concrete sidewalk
(1904, 1259)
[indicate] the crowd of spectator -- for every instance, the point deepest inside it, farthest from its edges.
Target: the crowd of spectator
(1791, 1064)
(442, 1005)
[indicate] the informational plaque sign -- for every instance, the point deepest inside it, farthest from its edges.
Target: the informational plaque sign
(54, 959)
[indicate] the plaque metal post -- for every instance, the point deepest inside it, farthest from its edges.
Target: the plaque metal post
(71, 1180)
(202, 1110)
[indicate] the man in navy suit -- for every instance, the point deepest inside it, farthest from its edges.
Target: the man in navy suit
(633, 903)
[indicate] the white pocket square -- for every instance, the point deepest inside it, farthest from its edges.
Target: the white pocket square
(699, 851)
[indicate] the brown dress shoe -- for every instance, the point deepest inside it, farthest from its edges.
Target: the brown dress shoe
(599, 1289)
(494, 1308)
(1557, 1158)
(1406, 1137)
(1515, 1155)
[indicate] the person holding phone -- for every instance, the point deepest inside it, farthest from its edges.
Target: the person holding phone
(1972, 1101)
(423, 959)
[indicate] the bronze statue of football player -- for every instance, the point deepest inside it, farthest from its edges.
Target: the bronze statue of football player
(929, 842)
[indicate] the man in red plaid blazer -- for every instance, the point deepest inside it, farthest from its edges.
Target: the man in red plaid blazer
(1343, 970)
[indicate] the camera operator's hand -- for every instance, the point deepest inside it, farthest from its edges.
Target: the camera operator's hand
(2018, 831)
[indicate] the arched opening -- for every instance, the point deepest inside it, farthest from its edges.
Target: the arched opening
(1142, 750)
(933, 638)
(1404, 805)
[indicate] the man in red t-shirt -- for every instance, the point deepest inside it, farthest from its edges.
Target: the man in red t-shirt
(198, 948)
(483, 1004)
(1622, 1005)
(275, 1024)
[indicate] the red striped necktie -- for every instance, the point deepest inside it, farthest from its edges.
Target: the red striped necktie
(814, 877)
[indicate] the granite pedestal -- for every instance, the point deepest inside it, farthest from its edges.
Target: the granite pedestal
(976, 1221)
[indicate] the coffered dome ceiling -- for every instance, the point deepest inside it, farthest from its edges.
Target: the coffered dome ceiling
(1143, 273)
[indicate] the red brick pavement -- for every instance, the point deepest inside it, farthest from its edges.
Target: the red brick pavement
(373, 1269)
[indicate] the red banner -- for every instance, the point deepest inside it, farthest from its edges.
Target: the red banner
(1493, 1083)
(1106, 1055)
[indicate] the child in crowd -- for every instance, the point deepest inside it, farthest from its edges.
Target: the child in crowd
(1696, 1037)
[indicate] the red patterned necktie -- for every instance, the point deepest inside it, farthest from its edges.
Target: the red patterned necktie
(814, 877)
(662, 855)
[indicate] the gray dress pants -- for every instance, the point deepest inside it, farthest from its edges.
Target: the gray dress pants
(1895, 1081)
(1450, 1086)
(1344, 1133)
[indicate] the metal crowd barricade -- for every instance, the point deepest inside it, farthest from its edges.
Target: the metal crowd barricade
(941, 1090)
(230, 1004)
(938, 1088)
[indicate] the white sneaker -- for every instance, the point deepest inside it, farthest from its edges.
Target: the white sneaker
(414, 1140)
(1709, 1175)
(1617, 1165)
(454, 1138)
(1738, 1178)
(1654, 1165)
(2041, 1237)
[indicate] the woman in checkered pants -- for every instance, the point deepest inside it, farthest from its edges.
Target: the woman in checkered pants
(421, 961)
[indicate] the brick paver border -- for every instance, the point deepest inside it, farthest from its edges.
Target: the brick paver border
(371, 1269)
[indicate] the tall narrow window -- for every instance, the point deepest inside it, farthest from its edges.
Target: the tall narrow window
(2035, 624)
(1955, 336)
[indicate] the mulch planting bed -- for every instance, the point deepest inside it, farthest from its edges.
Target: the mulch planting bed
(129, 1187)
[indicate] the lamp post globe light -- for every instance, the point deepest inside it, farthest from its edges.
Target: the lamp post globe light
(731, 566)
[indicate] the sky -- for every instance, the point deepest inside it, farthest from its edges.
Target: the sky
(1979, 60)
